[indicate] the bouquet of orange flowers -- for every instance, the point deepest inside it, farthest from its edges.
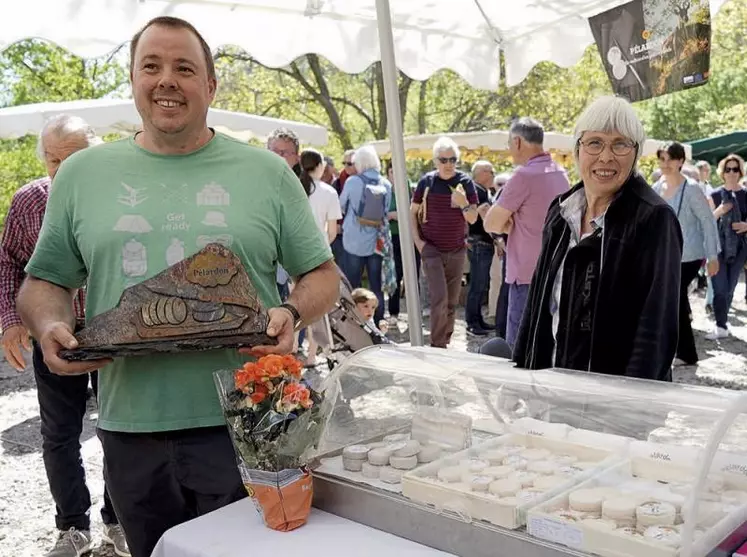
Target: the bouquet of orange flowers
(275, 419)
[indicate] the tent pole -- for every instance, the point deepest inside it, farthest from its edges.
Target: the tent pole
(393, 112)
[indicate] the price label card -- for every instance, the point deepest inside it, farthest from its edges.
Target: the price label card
(556, 531)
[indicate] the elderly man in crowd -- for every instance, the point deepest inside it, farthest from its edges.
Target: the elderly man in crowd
(284, 142)
(443, 204)
(62, 399)
(167, 454)
(481, 252)
(521, 211)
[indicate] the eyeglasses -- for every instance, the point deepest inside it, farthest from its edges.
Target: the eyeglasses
(620, 147)
(734, 169)
(446, 160)
(348, 163)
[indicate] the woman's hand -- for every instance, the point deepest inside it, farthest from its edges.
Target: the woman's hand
(739, 227)
(712, 267)
(722, 209)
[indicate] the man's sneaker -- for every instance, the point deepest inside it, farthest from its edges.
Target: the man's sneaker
(72, 543)
(718, 333)
(114, 536)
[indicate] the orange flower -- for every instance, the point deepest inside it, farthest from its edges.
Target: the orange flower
(272, 364)
(295, 395)
(260, 393)
(293, 366)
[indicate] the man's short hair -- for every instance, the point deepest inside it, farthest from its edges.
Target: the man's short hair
(329, 160)
(284, 134)
(702, 164)
(529, 129)
(64, 126)
(174, 23)
(349, 153)
(481, 164)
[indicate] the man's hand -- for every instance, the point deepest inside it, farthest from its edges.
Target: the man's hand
(712, 267)
(458, 197)
(59, 336)
(483, 209)
(14, 339)
(500, 247)
(739, 227)
(280, 327)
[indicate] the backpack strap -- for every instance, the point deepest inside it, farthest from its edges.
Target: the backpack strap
(429, 180)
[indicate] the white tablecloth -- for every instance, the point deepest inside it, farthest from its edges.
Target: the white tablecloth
(237, 531)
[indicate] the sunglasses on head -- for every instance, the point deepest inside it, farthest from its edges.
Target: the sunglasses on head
(734, 169)
(444, 160)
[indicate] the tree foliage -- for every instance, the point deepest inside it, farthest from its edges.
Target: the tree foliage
(352, 107)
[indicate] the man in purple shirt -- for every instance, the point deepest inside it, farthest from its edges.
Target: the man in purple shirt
(520, 212)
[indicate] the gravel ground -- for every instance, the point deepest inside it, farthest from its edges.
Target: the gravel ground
(26, 507)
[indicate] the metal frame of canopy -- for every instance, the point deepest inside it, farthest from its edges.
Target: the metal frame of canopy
(121, 116)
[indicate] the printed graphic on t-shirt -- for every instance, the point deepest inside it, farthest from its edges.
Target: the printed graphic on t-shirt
(135, 224)
(175, 194)
(133, 197)
(215, 218)
(213, 194)
(175, 252)
(134, 259)
(205, 239)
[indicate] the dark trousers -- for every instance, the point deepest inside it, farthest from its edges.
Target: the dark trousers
(480, 259)
(159, 480)
(686, 345)
(354, 265)
(443, 271)
(725, 282)
(62, 408)
(517, 300)
(501, 306)
(395, 296)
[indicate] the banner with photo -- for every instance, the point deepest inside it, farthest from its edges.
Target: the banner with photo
(654, 47)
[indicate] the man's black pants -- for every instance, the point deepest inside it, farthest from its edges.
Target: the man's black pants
(159, 480)
(62, 408)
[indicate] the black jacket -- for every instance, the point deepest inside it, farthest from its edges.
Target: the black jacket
(635, 327)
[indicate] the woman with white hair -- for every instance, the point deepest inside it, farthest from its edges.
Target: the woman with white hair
(605, 294)
(365, 202)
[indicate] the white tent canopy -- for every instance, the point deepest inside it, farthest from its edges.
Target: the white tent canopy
(463, 35)
(497, 140)
(419, 37)
(121, 116)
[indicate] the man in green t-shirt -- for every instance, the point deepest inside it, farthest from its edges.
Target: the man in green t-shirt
(121, 213)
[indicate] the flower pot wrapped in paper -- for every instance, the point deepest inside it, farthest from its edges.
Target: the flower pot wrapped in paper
(275, 419)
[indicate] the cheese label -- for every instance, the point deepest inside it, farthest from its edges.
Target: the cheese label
(556, 531)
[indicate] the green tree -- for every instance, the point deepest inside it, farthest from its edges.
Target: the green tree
(35, 71)
(718, 106)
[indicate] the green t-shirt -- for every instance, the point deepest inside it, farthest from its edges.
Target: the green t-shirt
(118, 214)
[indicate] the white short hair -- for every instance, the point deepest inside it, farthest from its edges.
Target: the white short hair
(481, 164)
(443, 144)
(63, 126)
(366, 158)
(610, 114)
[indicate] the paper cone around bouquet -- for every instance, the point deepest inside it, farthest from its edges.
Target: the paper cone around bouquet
(283, 498)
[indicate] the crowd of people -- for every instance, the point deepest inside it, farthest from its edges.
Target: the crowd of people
(592, 277)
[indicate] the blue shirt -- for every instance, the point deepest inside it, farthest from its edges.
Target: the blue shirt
(699, 229)
(358, 239)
